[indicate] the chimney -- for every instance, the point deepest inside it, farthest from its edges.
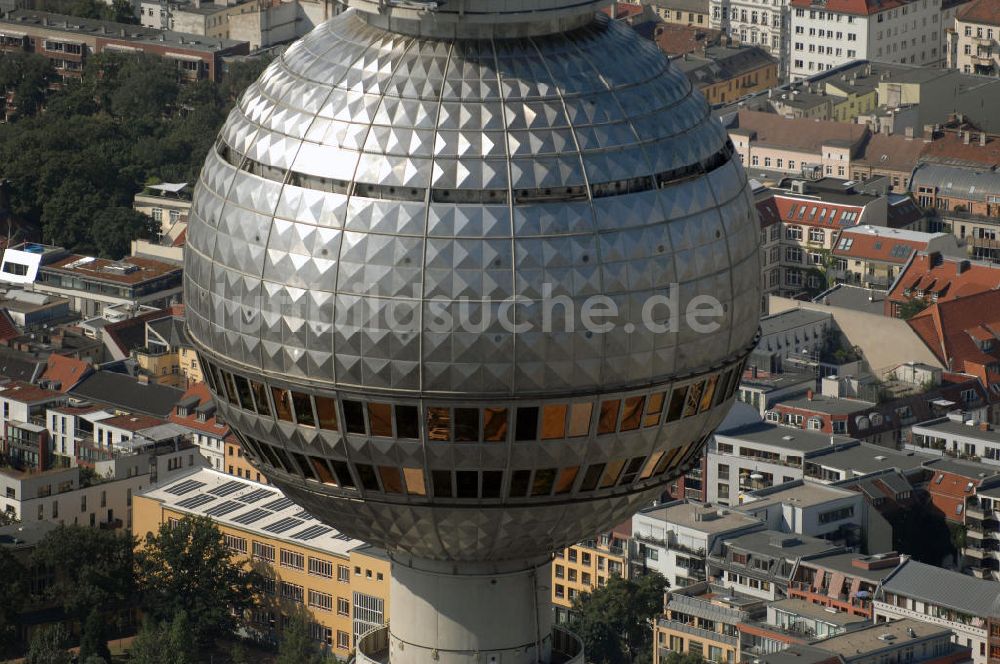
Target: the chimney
(966, 135)
(809, 395)
(982, 138)
(984, 426)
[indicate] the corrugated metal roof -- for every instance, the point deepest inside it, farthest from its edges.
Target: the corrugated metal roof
(946, 588)
(957, 182)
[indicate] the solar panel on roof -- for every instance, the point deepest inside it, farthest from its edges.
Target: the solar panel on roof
(224, 508)
(284, 524)
(253, 515)
(304, 515)
(343, 537)
(256, 495)
(279, 504)
(195, 501)
(187, 486)
(312, 532)
(227, 488)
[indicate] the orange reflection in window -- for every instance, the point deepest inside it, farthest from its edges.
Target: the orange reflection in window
(322, 471)
(392, 482)
(632, 413)
(579, 419)
(380, 419)
(654, 409)
(494, 424)
(326, 410)
(438, 424)
(564, 484)
(706, 396)
(693, 398)
(554, 421)
(282, 405)
(611, 473)
(647, 472)
(608, 422)
(415, 481)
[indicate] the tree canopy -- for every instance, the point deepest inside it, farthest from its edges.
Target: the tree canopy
(186, 568)
(614, 620)
(73, 169)
(12, 574)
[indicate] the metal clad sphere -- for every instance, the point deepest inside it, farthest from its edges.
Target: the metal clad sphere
(371, 183)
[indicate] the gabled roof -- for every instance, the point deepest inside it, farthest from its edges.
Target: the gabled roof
(949, 329)
(22, 392)
(943, 587)
(66, 371)
(675, 39)
(768, 212)
(891, 152)
(807, 211)
(133, 423)
(804, 135)
(8, 330)
(197, 398)
(981, 11)
(948, 277)
(124, 392)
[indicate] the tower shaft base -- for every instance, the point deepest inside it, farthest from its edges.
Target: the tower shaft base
(469, 613)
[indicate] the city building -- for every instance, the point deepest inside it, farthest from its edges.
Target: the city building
(943, 598)
(873, 257)
(957, 435)
(674, 538)
(899, 640)
(753, 23)
(972, 43)
(127, 394)
(168, 204)
(166, 356)
(890, 156)
(787, 337)
(25, 444)
(682, 12)
(69, 41)
(704, 620)
(675, 39)
(340, 582)
(260, 23)
(762, 563)
(845, 583)
(588, 565)
(933, 277)
(827, 34)
(816, 510)
(727, 72)
(982, 533)
(762, 389)
(845, 462)
(954, 483)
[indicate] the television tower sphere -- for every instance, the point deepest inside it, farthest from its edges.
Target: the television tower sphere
(440, 271)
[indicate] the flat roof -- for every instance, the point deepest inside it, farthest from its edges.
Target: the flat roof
(251, 507)
(774, 435)
(844, 563)
(821, 403)
(800, 607)
(701, 517)
(865, 458)
(130, 271)
(882, 636)
(962, 467)
(799, 653)
(777, 544)
(777, 381)
(959, 429)
(855, 298)
(801, 494)
(792, 319)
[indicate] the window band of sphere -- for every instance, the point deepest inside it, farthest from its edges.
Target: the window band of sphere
(471, 424)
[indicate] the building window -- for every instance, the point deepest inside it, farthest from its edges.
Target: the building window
(343, 640)
(264, 552)
(321, 601)
(235, 544)
(343, 606)
(343, 574)
(292, 592)
(323, 568)
(292, 559)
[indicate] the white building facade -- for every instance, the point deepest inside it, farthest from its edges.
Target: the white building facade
(764, 23)
(828, 34)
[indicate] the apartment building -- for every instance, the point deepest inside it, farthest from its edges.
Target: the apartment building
(342, 583)
(761, 389)
(873, 256)
(972, 43)
(762, 563)
(25, 444)
(588, 565)
(682, 12)
(71, 426)
(844, 583)
(763, 24)
(813, 509)
(725, 72)
(900, 640)
(828, 33)
(69, 41)
(982, 533)
(704, 620)
(957, 435)
(674, 538)
(934, 277)
(965, 605)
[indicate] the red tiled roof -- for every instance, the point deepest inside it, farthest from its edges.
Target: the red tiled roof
(891, 152)
(623, 10)
(767, 210)
(950, 147)
(181, 238)
(877, 244)
(210, 426)
(8, 330)
(18, 390)
(813, 212)
(856, 7)
(675, 39)
(953, 328)
(67, 371)
(981, 11)
(943, 278)
(133, 423)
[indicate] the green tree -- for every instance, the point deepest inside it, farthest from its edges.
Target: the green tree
(12, 589)
(27, 76)
(686, 658)
(48, 646)
(114, 228)
(95, 571)
(295, 645)
(164, 643)
(614, 621)
(912, 307)
(187, 568)
(94, 639)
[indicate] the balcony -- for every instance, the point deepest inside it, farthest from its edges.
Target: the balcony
(975, 534)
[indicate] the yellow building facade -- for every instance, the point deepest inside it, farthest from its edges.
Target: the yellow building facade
(583, 567)
(344, 587)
